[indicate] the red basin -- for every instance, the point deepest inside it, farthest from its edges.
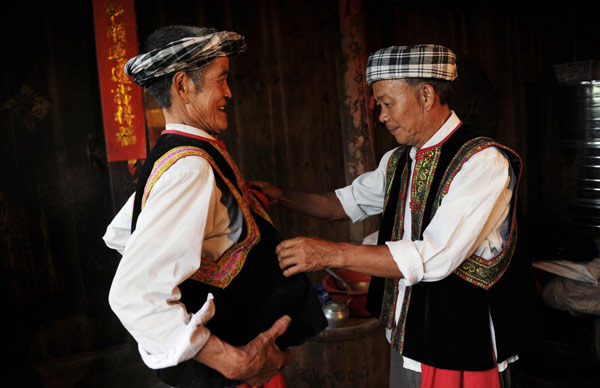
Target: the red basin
(358, 282)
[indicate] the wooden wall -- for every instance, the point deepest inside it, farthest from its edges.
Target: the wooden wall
(58, 192)
(55, 196)
(284, 120)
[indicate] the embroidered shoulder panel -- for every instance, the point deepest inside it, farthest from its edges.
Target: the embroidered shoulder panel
(221, 272)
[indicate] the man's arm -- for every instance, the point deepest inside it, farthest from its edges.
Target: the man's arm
(363, 198)
(306, 254)
(470, 219)
(325, 206)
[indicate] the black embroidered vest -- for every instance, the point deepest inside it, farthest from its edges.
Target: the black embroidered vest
(249, 289)
(445, 324)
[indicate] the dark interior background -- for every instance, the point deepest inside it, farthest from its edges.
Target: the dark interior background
(59, 193)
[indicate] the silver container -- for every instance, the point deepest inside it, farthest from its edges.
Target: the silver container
(337, 313)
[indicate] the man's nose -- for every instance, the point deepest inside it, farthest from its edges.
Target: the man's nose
(227, 91)
(383, 117)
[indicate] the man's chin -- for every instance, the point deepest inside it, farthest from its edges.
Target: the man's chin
(216, 131)
(399, 139)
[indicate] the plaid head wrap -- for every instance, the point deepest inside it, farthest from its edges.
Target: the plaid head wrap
(186, 54)
(419, 61)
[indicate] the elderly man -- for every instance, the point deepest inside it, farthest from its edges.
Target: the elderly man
(447, 234)
(199, 286)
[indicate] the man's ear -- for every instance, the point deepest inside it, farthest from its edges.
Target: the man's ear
(179, 86)
(427, 97)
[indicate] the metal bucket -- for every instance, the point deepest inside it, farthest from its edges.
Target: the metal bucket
(577, 114)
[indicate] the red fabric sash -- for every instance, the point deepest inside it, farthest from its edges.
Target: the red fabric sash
(276, 382)
(443, 378)
(260, 195)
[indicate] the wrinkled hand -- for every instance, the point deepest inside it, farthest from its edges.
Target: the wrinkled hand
(265, 358)
(272, 191)
(305, 254)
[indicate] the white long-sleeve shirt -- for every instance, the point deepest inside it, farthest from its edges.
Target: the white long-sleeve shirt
(472, 217)
(187, 218)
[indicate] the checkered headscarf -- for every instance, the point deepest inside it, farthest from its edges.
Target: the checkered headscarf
(419, 61)
(186, 54)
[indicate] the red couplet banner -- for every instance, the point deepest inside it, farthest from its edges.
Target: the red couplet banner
(122, 103)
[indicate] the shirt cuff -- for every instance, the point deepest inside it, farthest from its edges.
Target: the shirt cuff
(346, 197)
(408, 260)
(190, 342)
(119, 230)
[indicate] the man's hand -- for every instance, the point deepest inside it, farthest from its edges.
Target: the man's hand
(265, 359)
(306, 254)
(270, 190)
(257, 362)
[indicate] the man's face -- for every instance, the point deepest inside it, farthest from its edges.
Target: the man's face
(207, 108)
(400, 111)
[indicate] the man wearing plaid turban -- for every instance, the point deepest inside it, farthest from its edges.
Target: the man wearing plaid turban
(445, 280)
(199, 286)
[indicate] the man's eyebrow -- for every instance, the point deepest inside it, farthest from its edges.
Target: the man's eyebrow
(377, 98)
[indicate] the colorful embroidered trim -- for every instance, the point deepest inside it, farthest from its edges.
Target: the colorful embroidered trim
(485, 273)
(390, 291)
(426, 162)
(476, 270)
(390, 298)
(425, 166)
(390, 173)
(399, 338)
(221, 272)
(255, 205)
(162, 165)
(398, 227)
(466, 151)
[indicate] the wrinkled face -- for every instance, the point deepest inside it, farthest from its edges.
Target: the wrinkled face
(400, 111)
(207, 107)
